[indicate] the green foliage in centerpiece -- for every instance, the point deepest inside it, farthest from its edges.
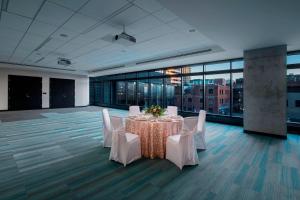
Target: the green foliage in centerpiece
(156, 110)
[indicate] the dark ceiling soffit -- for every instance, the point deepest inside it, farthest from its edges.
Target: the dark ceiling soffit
(175, 56)
(36, 66)
(155, 60)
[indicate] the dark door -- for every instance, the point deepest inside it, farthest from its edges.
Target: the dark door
(62, 93)
(24, 92)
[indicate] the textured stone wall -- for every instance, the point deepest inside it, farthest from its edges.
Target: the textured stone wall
(265, 90)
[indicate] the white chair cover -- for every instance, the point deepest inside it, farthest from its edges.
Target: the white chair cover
(200, 132)
(181, 150)
(172, 111)
(134, 110)
(196, 125)
(126, 147)
(109, 125)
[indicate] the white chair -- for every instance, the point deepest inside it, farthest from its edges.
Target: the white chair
(196, 125)
(172, 111)
(126, 147)
(109, 125)
(200, 132)
(181, 150)
(134, 110)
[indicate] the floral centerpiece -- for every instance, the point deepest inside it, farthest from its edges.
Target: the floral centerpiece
(155, 110)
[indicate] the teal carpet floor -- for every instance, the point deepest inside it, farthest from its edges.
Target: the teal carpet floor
(61, 157)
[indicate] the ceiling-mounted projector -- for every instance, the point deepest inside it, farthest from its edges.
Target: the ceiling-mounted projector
(64, 61)
(124, 38)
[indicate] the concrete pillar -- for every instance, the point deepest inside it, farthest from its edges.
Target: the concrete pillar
(265, 91)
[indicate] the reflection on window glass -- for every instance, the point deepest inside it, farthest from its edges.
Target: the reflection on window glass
(217, 66)
(120, 93)
(192, 69)
(237, 64)
(293, 95)
(156, 92)
(142, 93)
(192, 97)
(237, 94)
(173, 91)
(173, 71)
(293, 59)
(217, 90)
(106, 92)
(131, 92)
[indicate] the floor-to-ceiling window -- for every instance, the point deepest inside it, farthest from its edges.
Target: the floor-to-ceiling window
(192, 97)
(293, 88)
(121, 92)
(156, 88)
(173, 91)
(143, 92)
(131, 89)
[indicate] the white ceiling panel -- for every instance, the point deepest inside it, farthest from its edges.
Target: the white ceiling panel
(71, 4)
(129, 16)
(10, 34)
(54, 14)
(180, 25)
(26, 8)
(165, 15)
(143, 25)
(153, 33)
(15, 22)
(79, 23)
(148, 5)
(41, 28)
(102, 31)
(101, 9)
(31, 42)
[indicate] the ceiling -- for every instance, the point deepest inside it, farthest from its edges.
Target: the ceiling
(38, 32)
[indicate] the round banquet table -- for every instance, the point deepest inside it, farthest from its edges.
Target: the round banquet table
(153, 134)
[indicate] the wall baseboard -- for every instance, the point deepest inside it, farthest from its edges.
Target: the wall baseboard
(265, 134)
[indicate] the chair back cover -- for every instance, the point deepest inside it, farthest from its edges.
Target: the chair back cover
(172, 110)
(134, 110)
(106, 120)
(201, 121)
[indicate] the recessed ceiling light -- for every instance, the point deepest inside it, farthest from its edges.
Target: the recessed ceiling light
(192, 30)
(63, 35)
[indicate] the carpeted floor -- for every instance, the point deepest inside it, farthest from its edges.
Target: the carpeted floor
(58, 154)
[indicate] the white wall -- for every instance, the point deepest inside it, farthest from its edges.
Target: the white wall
(81, 85)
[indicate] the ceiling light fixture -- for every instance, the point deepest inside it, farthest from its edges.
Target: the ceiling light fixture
(63, 35)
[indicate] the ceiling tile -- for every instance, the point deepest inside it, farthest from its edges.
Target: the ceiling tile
(154, 33)
(41, 28)
(102, 31)
(79, 23)
(101, 9)
(54, 14)
(31, 42)
(26, 8)
(10, 34)
(15, 22)
(149, 5)
(71, 4)
(180, 25)
(129, 16)
(165, 15)
(143, 25)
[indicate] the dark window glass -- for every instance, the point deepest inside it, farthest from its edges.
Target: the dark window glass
(237, 94)
(106, 92)
(173, 91)
(142, 74)
(293, 95)
(297, 103)
(131, 87)
(142, 93)
(130, 75)
(120, 92)
(213, 103)
(156, 87)
(156, 73)
(192, 89)
(217, 66)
